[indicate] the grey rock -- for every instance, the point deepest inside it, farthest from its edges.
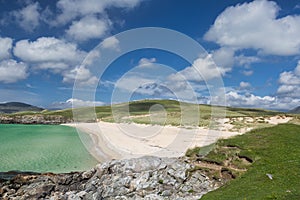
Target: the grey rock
(139, 178)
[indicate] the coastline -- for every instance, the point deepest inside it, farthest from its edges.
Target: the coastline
(124, 141)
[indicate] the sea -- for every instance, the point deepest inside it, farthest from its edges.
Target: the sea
(42, 148)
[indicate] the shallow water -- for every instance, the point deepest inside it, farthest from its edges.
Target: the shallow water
(42, 148)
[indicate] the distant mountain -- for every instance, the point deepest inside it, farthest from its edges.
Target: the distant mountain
(12, 107)
(295, 110)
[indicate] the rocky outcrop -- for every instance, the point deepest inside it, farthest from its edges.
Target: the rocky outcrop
(33, 119)
(139, 178)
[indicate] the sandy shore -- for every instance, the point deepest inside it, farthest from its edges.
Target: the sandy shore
(118, 141)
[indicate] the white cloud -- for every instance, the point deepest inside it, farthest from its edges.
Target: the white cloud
(243, 60)
(155, 80)
(89, 27)
(146, 62)
(224, 57)
(111, 43)
(247, 72)
(82, 75)
(49, 53)
(284, 89)
(236, 99)
(72, 9)
(132, 82)
(6, 46)
(92, 57)
(290, 83)
(56, 67)
(203, 69)
(286, 98)
(245, 85)
(289, 78)
(256, 25)
(28, 17)
(75, 103)
(12, 71)
(83, 103)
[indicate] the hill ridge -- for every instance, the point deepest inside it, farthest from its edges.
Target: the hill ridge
(13, 107)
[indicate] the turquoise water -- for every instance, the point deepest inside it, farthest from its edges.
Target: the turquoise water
(42, 148)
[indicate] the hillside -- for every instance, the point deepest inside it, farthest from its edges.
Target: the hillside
(13, 107)
(271, 170)
(164, 112)
(295, 110)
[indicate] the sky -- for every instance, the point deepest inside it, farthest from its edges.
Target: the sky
(52, 53)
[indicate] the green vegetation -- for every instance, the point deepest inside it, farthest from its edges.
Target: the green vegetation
(164, 112)
(264, 152)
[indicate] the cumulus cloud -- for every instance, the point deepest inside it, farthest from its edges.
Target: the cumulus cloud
(6, 46)
(256, 25)
(246, 61)
(146, 62)
(89, 27)
(72, 9)
(81, 75)
(28, 17)
(132, 82)
(245, 85)
(74, 103)
(248, 100)
(49, 53)
(89, 19)
(12, 71)
(224, 57)
(111, 43)
(290, 83)
(155, 80)
(92, 57)
(146, 75)
(203, 69)
(247, 72)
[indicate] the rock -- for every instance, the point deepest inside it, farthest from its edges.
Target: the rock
(34, 119)
(139, 178)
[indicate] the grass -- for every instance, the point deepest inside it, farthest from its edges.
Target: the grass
(273, 151)
(170, 112)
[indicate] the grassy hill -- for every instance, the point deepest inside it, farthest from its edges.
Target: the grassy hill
(174, 112)
(273, 171)
(13, 107)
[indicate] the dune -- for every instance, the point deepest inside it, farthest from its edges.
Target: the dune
(122, 141)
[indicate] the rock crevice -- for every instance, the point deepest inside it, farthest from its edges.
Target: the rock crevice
(147, 177)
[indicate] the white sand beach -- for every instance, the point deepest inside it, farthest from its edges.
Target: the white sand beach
(118, 141)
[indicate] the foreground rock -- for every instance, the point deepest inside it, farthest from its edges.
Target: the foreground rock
(34, 119)
(139, 178)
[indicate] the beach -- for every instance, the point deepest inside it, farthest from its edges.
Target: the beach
(122, 141)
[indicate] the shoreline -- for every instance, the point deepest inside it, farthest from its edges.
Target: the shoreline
(125, 141)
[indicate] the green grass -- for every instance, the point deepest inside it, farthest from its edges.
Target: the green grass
(274, 151)
(177, 113)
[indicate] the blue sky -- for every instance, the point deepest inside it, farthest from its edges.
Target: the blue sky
(254, 46)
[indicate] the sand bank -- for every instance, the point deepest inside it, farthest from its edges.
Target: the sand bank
(118, 141)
